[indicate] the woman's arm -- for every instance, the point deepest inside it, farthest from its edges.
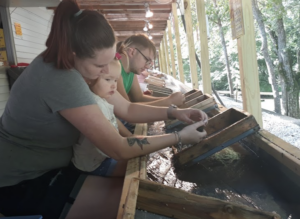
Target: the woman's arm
(90, 121)
(140, 113)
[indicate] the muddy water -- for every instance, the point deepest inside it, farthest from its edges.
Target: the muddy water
(236, 174)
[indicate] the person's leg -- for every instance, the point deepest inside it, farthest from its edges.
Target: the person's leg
(98, 197)
(120, 169)
(110, 168)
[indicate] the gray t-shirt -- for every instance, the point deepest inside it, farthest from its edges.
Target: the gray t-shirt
(34, 137)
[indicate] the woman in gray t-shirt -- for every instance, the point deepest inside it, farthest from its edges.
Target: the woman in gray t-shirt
(50, 104)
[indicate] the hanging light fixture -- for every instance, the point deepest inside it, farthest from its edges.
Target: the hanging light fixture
(149, 36)
(148, 12)
(145, 27)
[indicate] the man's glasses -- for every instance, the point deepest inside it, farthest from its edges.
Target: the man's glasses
(148, 63)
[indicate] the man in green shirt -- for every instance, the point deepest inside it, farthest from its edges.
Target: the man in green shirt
(140, 54)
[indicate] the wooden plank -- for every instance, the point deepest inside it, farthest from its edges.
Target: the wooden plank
(166, 54)
(141, 7)
(131, 199)
(163, 89)
(196, 100)
(205, 67)
(220, 129)
(176, 203)
(193, 95)
(171, 49)
(282, 151)
(178, 45)
(159, 59)
(191, 44)
(156, 83)
(190, 92)
(158, 94)
(134, 168)
(120, 2)
(130, 32)
(162, 45)
(205, 104)
(248, 65)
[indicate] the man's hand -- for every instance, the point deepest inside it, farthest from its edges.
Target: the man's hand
(190, 115)
(177, 98)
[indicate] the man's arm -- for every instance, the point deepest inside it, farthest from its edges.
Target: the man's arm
(136, 95)
(121, 88)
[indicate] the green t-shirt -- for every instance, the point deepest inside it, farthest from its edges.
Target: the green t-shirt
(34, 137)
(127, 79)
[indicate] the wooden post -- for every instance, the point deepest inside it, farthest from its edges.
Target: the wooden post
(178, 45)
(167, 54)
(159, 59)
(248, 65)
(191, 45)
(163, 60)
(205, 68)
(136, 167)
(171, 49)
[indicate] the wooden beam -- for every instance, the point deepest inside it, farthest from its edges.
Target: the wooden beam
(138, 6)
(191, 45)
(137, 12)
(167, 54)
(136, 28)
(135, 168)
(171, 49)
(129, 33)
(138, 17)
(131, 199)
(178, 45)
(163, 59)
(101, 6)
(220, 129)
(159, 59)
(142, 2)
(205, 67)
(248, 65)
(176, 203)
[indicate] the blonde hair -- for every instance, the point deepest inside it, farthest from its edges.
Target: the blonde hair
(141, 41)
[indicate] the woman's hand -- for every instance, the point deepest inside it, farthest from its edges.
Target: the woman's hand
(190, 135)
(190, 115)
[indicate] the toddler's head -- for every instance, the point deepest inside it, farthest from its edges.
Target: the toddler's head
(106, 85)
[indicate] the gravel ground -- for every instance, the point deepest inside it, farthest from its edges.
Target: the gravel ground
(285, 127)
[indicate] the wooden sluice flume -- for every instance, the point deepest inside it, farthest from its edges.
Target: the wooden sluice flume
(154, 185)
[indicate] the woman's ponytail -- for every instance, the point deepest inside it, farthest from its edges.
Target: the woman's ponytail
(59, 48)
(76, 32)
